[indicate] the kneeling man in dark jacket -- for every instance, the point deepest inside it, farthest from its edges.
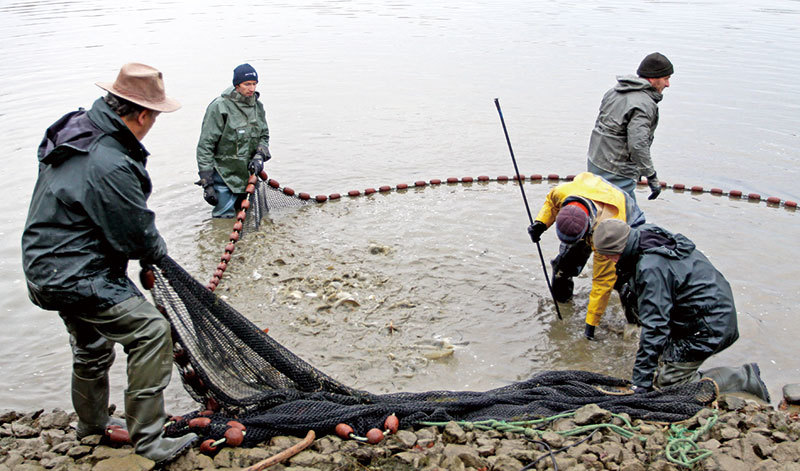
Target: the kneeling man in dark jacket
(686, 308)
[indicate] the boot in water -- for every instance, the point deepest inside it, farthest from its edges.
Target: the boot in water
(746, 378)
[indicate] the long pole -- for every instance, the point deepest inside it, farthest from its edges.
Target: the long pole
(527, 208)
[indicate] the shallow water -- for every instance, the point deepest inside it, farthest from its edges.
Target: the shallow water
(366, 93)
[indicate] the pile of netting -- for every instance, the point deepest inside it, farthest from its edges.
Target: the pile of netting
(238, 372)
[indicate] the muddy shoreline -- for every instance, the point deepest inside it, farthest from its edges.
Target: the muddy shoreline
(738, 435)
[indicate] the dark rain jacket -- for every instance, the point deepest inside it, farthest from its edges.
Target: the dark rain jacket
(685, 305)
(234, 128)
(624, 129)
(88, 214)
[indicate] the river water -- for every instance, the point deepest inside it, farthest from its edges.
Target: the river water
(368, 93)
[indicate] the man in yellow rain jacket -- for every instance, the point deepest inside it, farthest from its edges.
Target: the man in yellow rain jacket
(576, 207)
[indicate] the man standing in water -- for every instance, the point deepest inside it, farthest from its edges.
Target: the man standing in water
(234, 143)
(88, 216)
(575, 208)
(686, 309)
(619, 148)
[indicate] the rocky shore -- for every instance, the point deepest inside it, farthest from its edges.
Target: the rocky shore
(740, 435)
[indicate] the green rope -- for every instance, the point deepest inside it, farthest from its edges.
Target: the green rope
(524, 426)
(682, 448)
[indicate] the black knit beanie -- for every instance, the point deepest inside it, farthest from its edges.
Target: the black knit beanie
(244, 73)
(655, 65)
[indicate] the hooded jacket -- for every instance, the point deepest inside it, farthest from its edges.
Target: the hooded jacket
(88, 214)
(685, 305)
(615, 204)
(624, 129)
(234, 127)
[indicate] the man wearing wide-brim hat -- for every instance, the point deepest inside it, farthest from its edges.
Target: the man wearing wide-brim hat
(88, 216)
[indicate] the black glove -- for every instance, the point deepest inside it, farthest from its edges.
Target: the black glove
(256, 165)
(536, 229)
(655, 186)
(263, 151)
(630, 303)
(207, 182)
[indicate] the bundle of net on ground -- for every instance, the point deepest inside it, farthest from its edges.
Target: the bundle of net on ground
(237, 371)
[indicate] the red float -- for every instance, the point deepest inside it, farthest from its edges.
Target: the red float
(353, 193)
(466, 179)
(234, 236)
(235, 424)
(697, 188)
(402, 186)
(774, 200)
(735, 193)
(241, 215)
(483, 178)
(288, 191)
(208, 447)
(304, 196)
(245, 204)
(273, 183)
(226, 257)
(344, 431)
(678, 186)
(790, 204)
(391, 424)
(385, 188)
(211, 287)
(370, 191)
(222, 266)
(234, 436)
(237, 226)
(502, 178)
(252, 180)
(230, 247)
(263, 175)
(250, 188)
(716, 191)
(452, 180)
(321, 198)
(436, 181)
(200, 422)
(212, 404)
(536, 176)
(419, 183)
(218, 273)
(570, 177)
(519, 177)
(118, 435)
(753, 196)
(552, 176)
(374, 435)
(335, 196)
(147, 278)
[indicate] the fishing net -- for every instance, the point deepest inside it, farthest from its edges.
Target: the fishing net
(268, 196)
(237, 370)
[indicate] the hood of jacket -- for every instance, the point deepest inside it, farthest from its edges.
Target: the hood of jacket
(241, 100)
(632, 83)
(76, 132)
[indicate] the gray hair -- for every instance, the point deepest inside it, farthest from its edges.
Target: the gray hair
(121, 106)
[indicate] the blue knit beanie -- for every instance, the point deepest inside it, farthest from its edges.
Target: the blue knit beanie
(244, 73)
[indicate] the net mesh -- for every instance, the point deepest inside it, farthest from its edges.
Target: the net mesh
(237, 370)
(268, 196)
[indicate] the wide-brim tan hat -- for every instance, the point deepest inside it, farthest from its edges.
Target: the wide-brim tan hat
(143, 85)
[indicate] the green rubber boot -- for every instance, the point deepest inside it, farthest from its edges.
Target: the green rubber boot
(746, 378)
(146, 418)
(90, 400)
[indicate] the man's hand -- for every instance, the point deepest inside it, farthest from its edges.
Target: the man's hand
(207, 182)
(536, 229)
(256, 164)
(655, 186)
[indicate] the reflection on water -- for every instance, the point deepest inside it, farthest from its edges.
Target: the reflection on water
(363, 93)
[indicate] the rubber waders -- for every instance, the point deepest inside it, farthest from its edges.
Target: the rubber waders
(90, 400)
(746, 378)
(146, 417)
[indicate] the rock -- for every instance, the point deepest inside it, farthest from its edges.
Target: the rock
(131, 462)
(21, 430)
(728, 402)
(562, 425)
(632, 465)
(726, 463)
(506, 463)
(467, 454)
(409, 458)
(105, 452)
(453, 433)
(791, 392)
(786, 452)
(8, 416)
(407, 438)
(60, 462)
(591, 414)
(79, 451)
(553, 439)
(58, 419)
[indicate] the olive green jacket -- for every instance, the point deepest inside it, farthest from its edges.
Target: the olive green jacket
(234, 128)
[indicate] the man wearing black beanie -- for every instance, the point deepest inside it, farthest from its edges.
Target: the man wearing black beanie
(619, 148)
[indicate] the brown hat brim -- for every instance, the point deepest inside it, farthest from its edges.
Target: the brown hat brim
(168, 105)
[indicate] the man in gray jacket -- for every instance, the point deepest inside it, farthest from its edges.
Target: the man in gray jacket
(686, 308)
(619, 149)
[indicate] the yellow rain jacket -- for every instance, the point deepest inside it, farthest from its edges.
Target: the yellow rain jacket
(611, 204)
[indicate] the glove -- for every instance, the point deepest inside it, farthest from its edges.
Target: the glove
(655, 186)
(536, 229)
(630, 303)
(263, 151)
(256, 165)
(641, 389)
(207, 182)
